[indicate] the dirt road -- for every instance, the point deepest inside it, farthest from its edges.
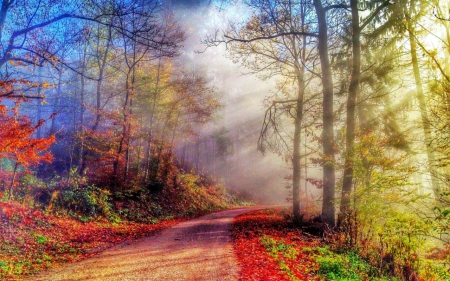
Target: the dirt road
(198, 249)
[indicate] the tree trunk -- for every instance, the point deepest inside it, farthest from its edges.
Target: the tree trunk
(56, 104)
(174, 131)
(6, 4)
(422, 106)
(11, 186)
(39, 103)
(82, 155)
(328, 209)
(82, 162)
(122, 142)
(151, 121)
(197, 155)
(296, 159)
(101, 62)
(351, 104)
(128, 134)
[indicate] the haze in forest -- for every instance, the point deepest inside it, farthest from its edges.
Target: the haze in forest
(141, 110)
(263, 177)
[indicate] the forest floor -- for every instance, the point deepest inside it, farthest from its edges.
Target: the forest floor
(198, 249)
(270, 247)
(32, 241)
(253, 243)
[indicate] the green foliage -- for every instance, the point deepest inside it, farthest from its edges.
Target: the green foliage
(384, 225)
(435, 270)
(274, 248)
(77, 199)
(4, 266)
(441, 220)
(344, 266)
(170, 192)
(87, 202)
(40, 239)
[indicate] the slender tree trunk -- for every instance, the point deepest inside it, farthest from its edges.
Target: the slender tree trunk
(296, 159)
(147, 159)
(128, 135)
(98, 100)
(296, 173)
(422, 105)
(82, 162)
(56, 103)
(140, 148)
(183, 157)
(11, 186)
(351, 104)
(122, 142)
(328, 209)
(39, 103)
(82, 152)
(151, 121)
(197, 155)
(305, 159)
(174, 131)
(101, 62)
(156, 94)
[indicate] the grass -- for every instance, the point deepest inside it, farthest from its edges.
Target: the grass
(270, 247)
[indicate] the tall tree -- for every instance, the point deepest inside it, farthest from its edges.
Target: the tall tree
(150, 36)
(329, 177)
(353, 92)
(18, 144)
(410, 17)
(277, 41)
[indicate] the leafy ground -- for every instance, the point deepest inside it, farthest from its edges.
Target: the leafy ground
(270, 247)
(46, 223)
(33, 241)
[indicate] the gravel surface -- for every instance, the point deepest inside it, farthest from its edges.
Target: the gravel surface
(199, 249)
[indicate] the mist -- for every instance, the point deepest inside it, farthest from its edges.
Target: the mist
(263, 177)
(113, 111)
(145, 111)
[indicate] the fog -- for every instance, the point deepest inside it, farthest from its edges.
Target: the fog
(262, 177)
(121, 100)
(225, 148)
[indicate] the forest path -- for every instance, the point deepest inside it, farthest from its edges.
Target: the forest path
(198, 249)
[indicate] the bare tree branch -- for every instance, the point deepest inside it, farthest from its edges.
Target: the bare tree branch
(281, 34)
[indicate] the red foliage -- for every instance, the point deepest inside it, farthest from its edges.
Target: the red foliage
(29, 235)
(256, 263)
(16, 138)
(318, 183)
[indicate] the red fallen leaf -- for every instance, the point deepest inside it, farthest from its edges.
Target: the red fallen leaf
(7, 210)
(255, 262)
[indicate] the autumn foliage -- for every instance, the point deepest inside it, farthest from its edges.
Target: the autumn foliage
(17, 144)
(33, 241)
(269, 246)
(254, 232)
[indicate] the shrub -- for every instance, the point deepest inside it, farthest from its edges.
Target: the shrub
(83, 202)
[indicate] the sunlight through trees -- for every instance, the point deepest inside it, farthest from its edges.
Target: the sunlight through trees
(115, 98)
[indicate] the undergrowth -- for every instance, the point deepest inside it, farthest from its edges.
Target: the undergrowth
(270, 246)
(64, 220)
